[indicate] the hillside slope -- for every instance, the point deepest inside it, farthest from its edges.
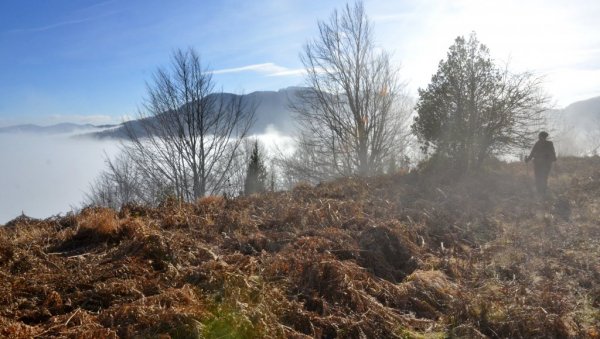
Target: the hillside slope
(401, 256)
(584, 114)
(271, 111)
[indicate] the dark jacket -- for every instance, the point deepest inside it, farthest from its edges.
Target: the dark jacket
(543, 152)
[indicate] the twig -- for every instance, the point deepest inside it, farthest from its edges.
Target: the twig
(71, 317)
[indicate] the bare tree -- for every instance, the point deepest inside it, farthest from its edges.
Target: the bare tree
(352, 116)
(190, 133)
(118, 184)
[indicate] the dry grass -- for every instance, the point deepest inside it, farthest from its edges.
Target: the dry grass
(402, 256)
(101, 222)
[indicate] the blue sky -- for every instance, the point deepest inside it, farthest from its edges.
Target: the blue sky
(88, 60)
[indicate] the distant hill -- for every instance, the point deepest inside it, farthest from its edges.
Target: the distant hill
(576, 128)
(583, 114)
(580, 118)
(272, 109)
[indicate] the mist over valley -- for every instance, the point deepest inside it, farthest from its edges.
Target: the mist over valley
(50, 169)
(47, 174)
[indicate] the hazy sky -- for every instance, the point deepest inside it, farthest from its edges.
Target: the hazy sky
(88, 60)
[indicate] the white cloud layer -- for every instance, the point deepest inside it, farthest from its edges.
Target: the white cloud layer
(46, 175)
(268, 69)
(49, 174)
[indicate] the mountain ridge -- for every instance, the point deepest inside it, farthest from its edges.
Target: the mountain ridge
(273, 110)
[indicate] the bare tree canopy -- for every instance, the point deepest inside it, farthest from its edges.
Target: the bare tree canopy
(352, 115)
(190, 136)
(118, 184)
(473, 109)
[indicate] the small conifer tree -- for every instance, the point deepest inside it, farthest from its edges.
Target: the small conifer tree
(272, 179)
(256, 174)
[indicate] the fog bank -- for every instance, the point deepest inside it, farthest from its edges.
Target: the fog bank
(43, 175)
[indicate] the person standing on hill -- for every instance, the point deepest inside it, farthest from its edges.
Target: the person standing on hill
(543, 156)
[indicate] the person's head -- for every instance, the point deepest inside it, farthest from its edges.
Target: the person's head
(543, 135)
